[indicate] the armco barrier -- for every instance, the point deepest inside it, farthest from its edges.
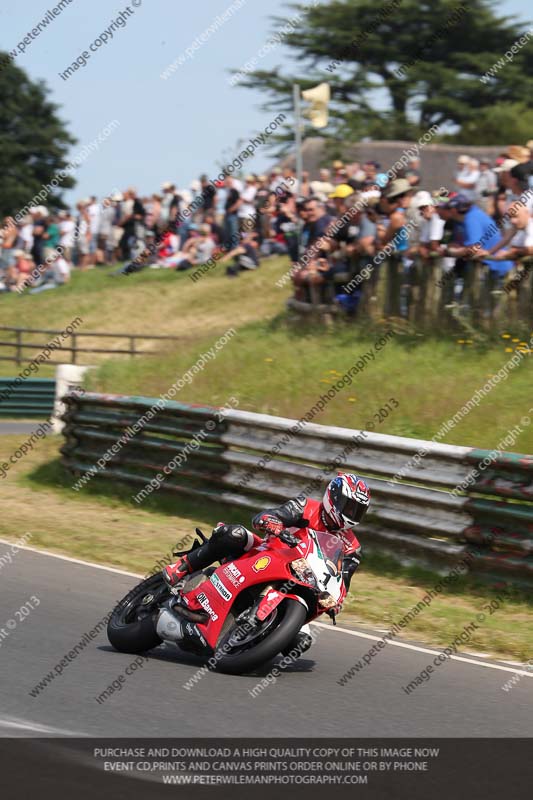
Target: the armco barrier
(32, 397)
(254, 460)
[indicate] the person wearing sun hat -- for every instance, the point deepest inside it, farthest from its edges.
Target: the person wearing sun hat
(432, 226)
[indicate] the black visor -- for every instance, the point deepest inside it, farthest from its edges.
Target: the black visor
(352, 509)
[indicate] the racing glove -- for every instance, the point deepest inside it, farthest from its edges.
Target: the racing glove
(269, 524)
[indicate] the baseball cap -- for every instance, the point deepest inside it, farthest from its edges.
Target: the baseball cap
(463, 159)
(397, 187)
(460, 201)
(342, 191)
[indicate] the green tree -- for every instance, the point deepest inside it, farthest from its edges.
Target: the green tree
(398, 67)
(34, 142)
(503, 123)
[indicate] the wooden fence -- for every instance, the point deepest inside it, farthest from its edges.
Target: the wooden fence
(19, 342)
(428, 297)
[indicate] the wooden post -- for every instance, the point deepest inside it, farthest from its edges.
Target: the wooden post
(73, 340)
(132, 346)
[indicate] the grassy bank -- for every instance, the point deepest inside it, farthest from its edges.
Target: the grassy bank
(100, 524)
(278, 367)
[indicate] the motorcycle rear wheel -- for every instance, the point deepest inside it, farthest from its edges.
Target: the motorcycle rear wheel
(132, 625)
(291, 615)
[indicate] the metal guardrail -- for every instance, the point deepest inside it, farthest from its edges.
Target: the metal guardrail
(32, 397)
(128, 347)
(254, 460)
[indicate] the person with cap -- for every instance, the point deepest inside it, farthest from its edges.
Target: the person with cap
(432, 227)
(396, 200)
(477, 233)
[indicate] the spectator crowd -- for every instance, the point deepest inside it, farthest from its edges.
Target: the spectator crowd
(335, 228)
(357, 216)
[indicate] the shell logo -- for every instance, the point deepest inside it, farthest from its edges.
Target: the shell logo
(261, 564)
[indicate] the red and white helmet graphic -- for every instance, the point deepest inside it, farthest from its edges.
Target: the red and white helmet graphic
(346, 500)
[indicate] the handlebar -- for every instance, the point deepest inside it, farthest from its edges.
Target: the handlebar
(289, 538)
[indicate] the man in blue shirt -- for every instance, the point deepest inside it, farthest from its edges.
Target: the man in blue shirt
(476, 232)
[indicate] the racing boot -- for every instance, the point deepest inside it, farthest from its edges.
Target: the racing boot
(301, 642)
(175, 573)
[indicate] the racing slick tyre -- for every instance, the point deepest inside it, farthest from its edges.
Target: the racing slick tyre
(244, 654)
(132, 625)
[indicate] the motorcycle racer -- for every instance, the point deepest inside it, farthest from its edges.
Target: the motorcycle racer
(344, 504)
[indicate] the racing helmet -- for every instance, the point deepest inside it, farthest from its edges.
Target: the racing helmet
(346, 501)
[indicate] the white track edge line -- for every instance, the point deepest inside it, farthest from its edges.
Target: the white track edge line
(320, 624)
(419, 649)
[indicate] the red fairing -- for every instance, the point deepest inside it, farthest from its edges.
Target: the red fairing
(313, 512)
(262, 564)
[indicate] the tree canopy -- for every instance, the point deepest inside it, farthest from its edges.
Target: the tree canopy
(34, 141)
(398, 67)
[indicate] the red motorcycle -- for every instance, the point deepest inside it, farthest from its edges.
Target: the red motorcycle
(243, 613)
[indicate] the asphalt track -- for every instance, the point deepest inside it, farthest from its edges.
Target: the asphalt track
(462, 698)
(9, 428)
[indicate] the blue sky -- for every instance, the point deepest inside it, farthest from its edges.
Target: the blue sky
(170, 129)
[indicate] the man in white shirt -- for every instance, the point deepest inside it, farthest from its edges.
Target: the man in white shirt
(26, 233)
(467, 176)
(94, 212)
(432, 226)
(67, 227)
(247, 210)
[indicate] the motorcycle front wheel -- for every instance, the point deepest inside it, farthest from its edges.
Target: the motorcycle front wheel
(242, 651)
